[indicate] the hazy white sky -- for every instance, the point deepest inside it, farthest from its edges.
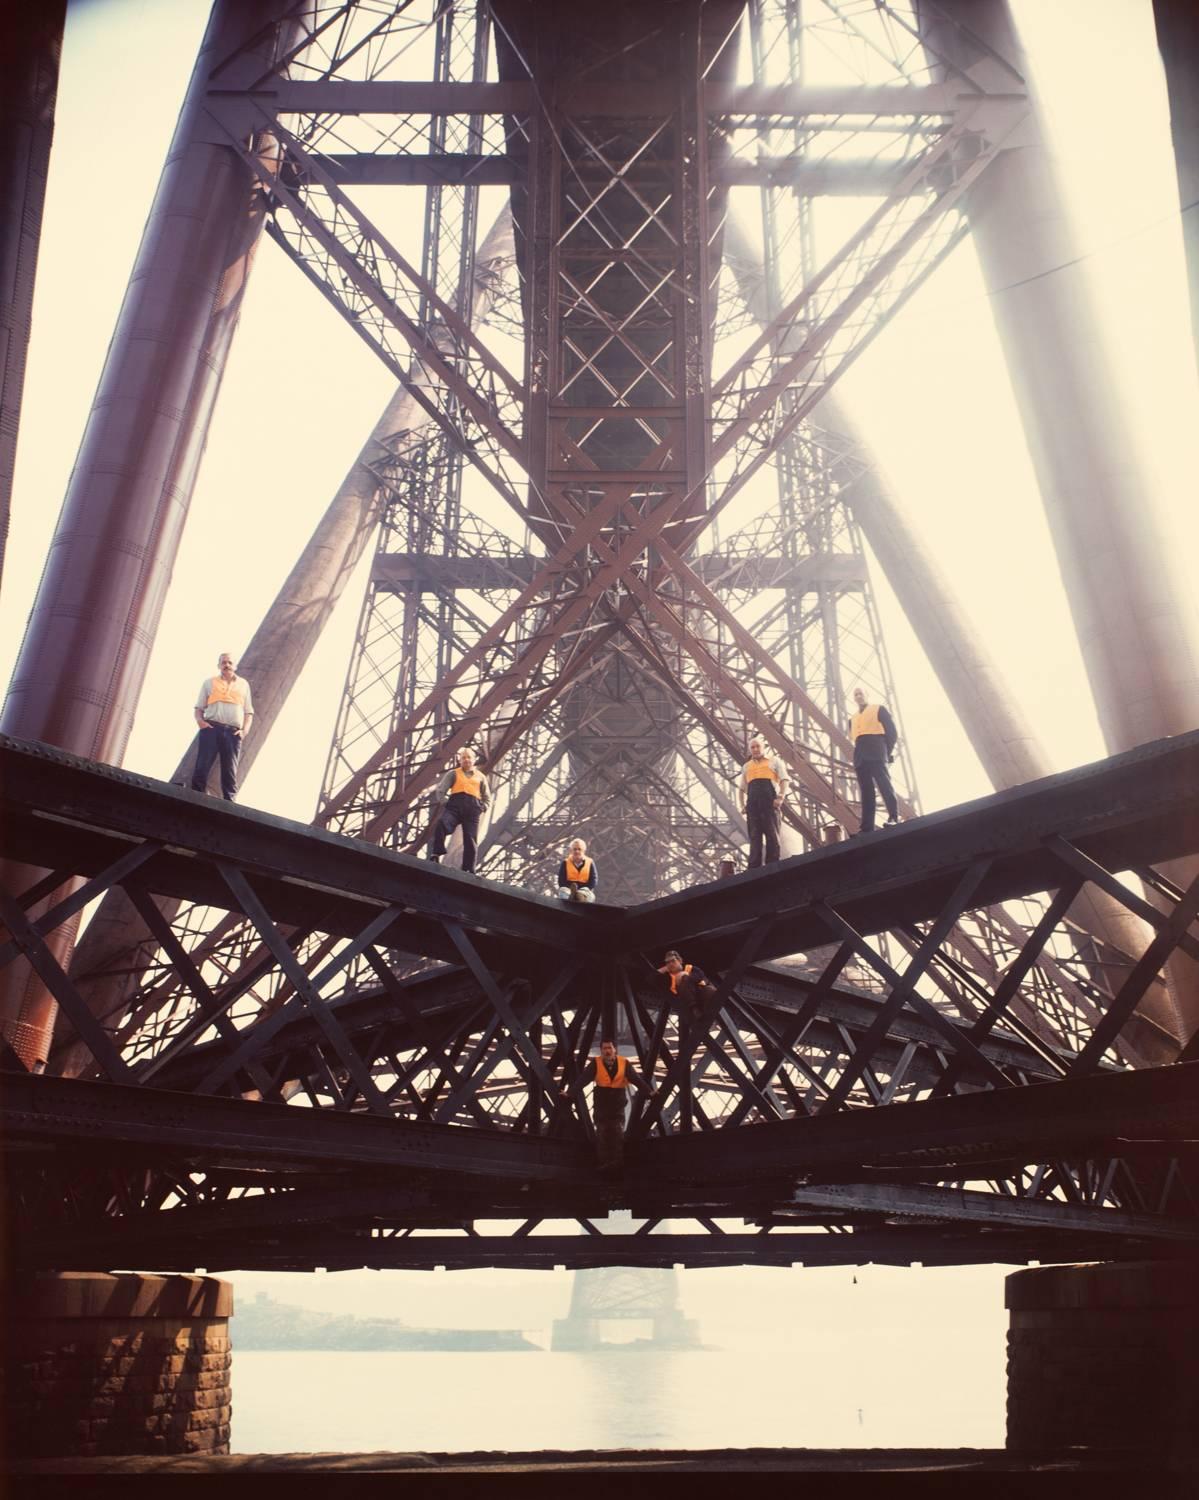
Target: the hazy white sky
(301, 392)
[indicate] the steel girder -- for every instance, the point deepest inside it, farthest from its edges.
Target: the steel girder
(992, 1144)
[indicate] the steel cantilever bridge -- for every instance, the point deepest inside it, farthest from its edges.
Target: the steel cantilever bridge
(807, 1119)
(611, 542)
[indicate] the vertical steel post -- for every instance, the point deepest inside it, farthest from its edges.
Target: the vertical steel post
(28, 91)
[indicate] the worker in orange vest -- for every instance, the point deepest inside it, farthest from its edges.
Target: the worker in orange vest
(764, 783)
(688, 983)
(576, 874)
(464, 796)
(874, 736)
(611, 1077)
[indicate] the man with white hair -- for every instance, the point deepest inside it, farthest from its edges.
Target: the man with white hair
(576, 874)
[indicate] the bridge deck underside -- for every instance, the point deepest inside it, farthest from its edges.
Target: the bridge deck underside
(821, 1111)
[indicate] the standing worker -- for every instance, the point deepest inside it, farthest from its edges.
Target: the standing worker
(874, 739)
(576, 874)
(224, 710)
(611, 1080)
(463, 797)
(764, 785)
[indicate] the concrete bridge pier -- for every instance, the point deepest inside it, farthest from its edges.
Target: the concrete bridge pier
(127, 1364)
(1105, 1358)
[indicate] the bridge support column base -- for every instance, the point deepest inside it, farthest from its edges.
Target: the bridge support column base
(1105, 1357)
(128, 1364)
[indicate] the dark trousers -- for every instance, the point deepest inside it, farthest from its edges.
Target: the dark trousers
(609, 1141)
(691, 998)
(763, 819)
(461, 810)
(871, 774)
(222, 740)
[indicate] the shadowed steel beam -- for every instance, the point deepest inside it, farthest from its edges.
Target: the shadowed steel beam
(71, 1110)
(28, 90)
(929, 1245)
(88, 641)
(989, 1208)
(1113, 1114)
(1177, 23)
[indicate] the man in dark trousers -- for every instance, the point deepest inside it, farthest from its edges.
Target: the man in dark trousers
(763, 790)
(874, 736)
(464, 796)
(611, 1080)
(224, 711)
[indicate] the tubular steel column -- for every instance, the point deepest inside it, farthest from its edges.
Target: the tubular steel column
(1177, 23)
(89, 637)
(28, 90)
(1135, 635)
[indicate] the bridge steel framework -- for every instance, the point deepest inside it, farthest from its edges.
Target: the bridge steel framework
(610, 543)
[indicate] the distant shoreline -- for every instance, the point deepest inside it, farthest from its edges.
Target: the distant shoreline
(267, 1326)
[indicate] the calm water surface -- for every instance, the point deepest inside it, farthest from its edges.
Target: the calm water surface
(881, 1392)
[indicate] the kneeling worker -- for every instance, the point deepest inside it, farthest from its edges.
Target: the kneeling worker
(576, 874)
(688, 982)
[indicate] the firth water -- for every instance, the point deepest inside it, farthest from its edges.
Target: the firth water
(821, 1359)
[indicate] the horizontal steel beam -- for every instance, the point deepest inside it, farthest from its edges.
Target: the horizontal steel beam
(436, 572)
(832, 178)
(784, 100)
(903, 1246)
(968, 1135)
(961, 1205)
(76, 1114)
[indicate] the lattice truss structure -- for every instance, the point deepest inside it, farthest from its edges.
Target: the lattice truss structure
(612, 546)
(439, 1118)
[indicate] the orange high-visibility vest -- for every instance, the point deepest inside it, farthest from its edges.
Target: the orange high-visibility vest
(618, 1081)
(866, 722)
(759, 770)
(575, 875)
(220, 691)
(674, 989)
(472, 784)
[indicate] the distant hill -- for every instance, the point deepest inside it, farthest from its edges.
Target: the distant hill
(263, 1323)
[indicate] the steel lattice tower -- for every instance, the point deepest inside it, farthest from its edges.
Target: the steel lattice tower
(618, 525)
(607, 570)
